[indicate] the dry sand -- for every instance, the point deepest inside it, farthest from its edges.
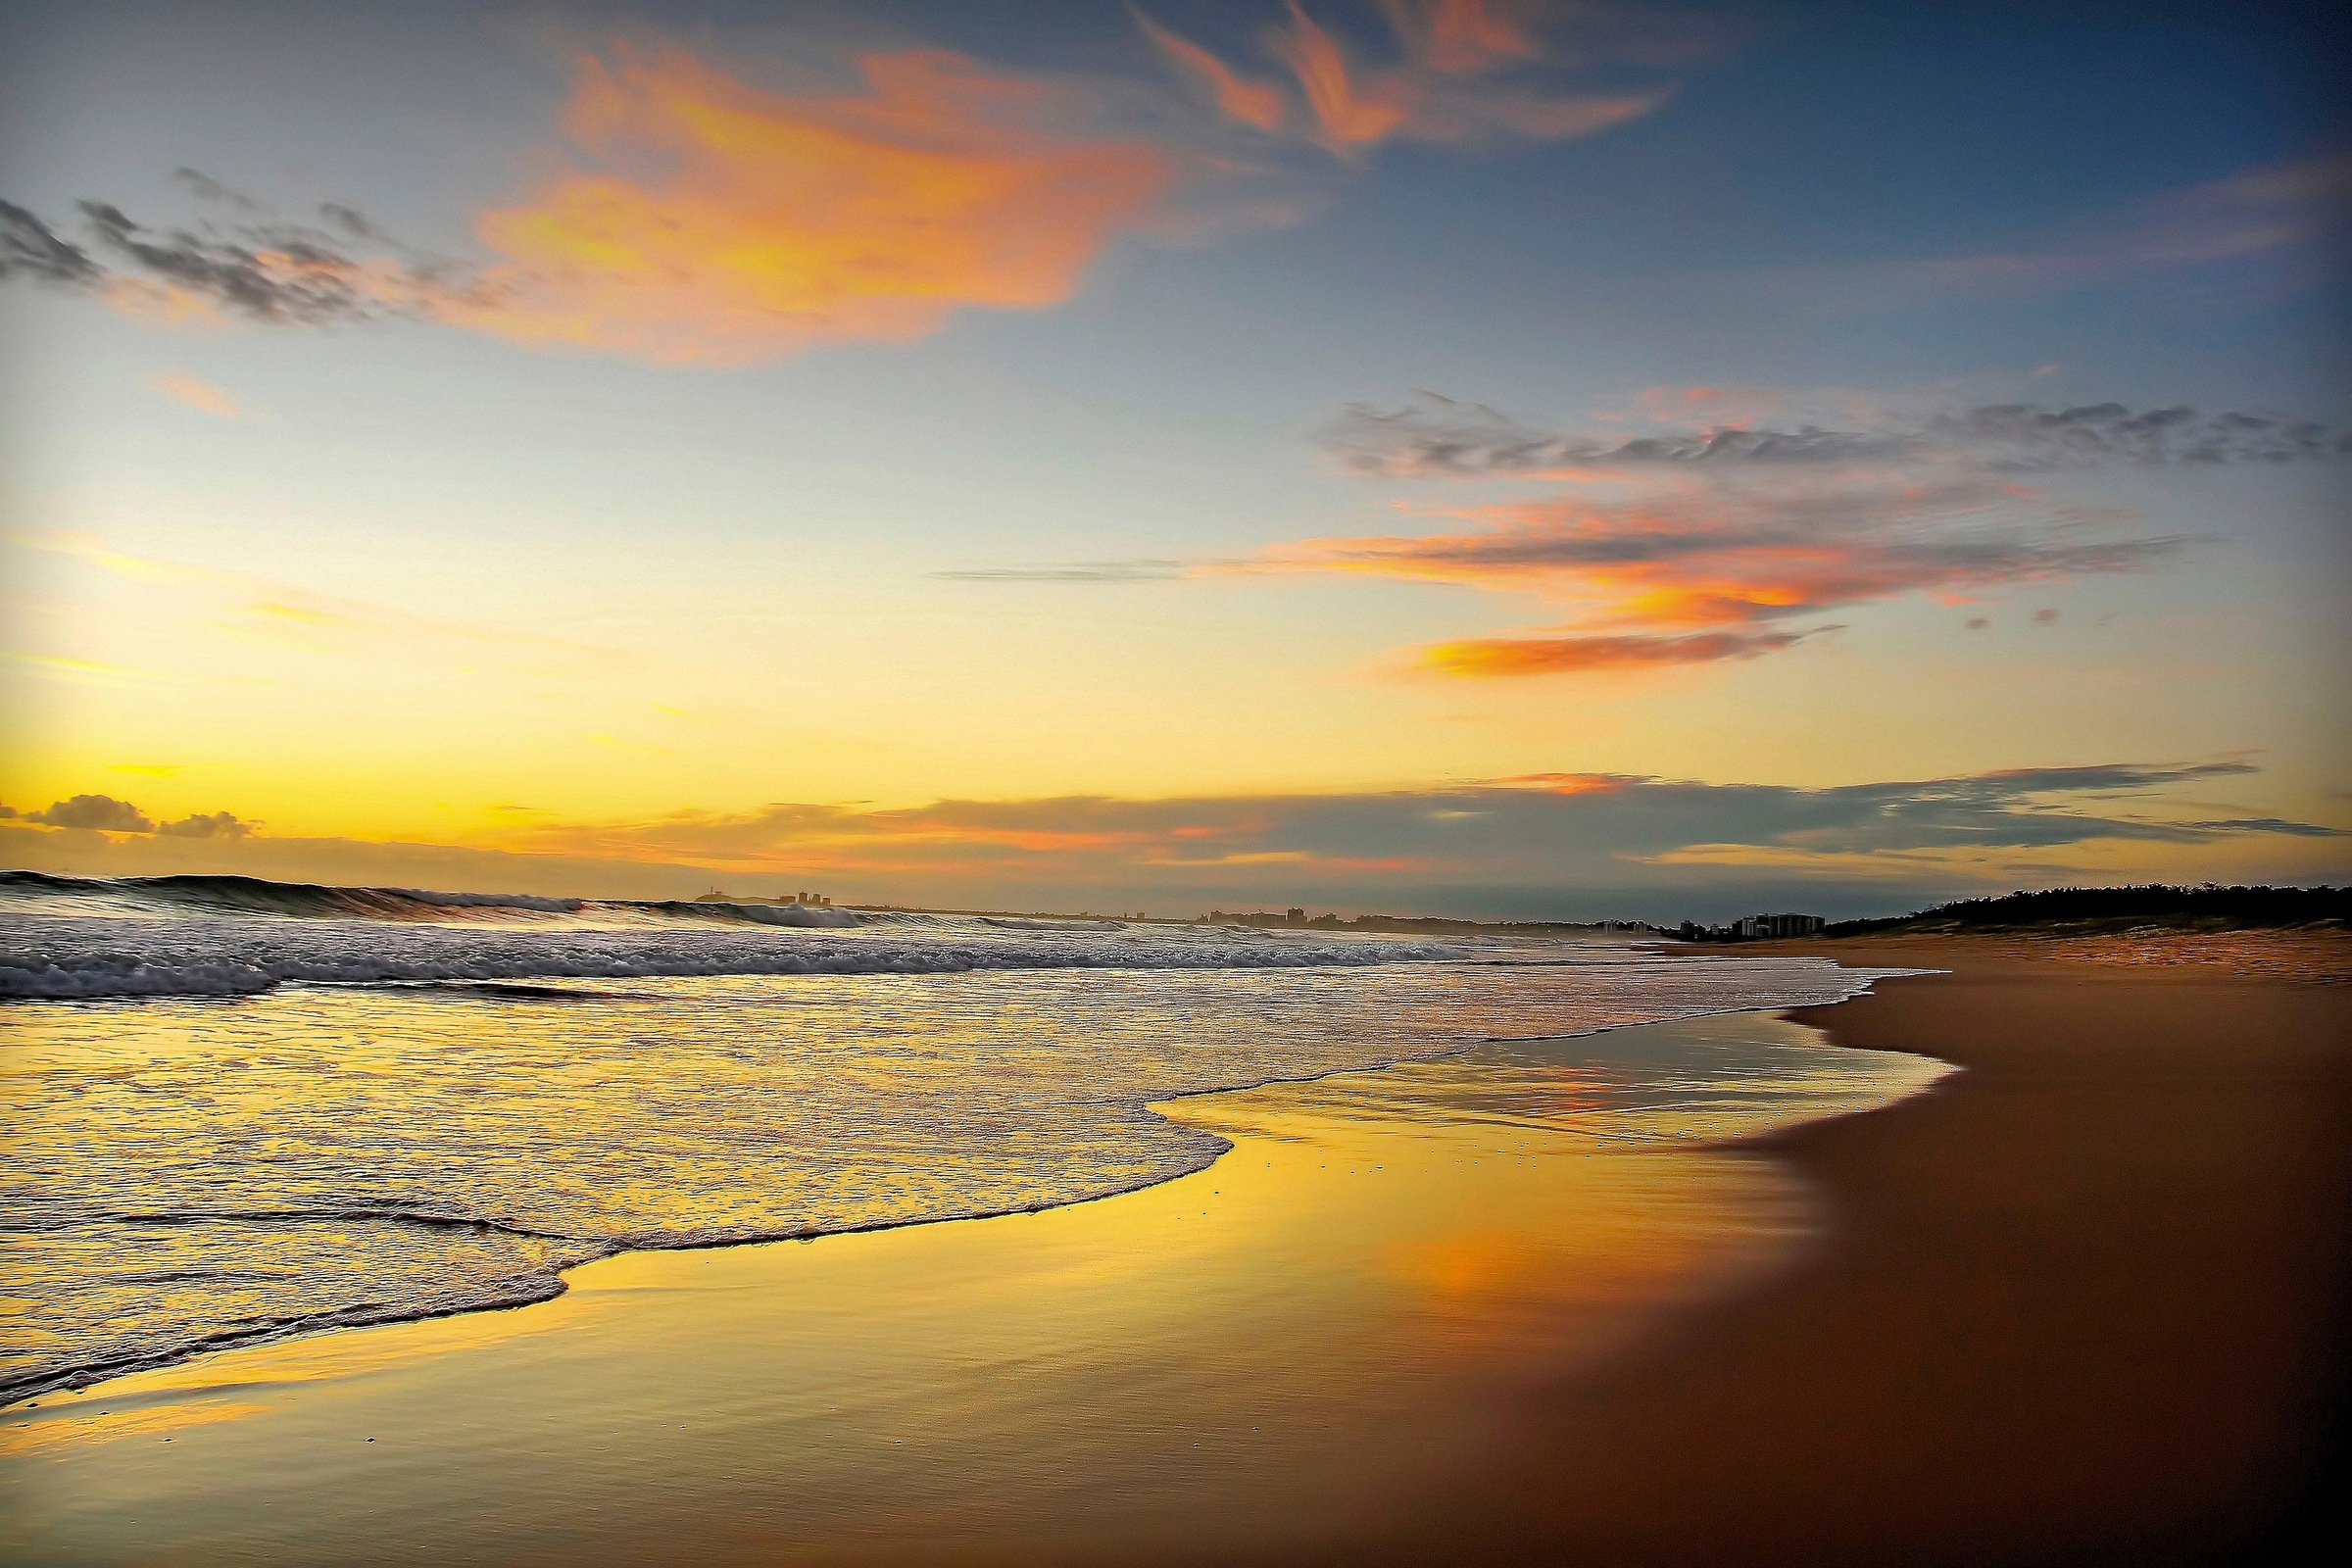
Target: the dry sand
(2085, 1300)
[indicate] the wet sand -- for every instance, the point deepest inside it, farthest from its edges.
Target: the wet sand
(1326, 1327)
(2085, 1300)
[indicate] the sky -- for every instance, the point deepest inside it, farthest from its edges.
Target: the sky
(1465, 457)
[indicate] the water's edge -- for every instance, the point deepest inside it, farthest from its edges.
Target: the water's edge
(533, 1289)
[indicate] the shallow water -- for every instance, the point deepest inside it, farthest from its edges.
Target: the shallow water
(192, 1172)
(1334, 1322)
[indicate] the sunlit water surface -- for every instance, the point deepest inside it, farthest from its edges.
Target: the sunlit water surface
(189, 1173)
(1324, 1333)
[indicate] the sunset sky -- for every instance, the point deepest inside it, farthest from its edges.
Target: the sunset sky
(1440, 456)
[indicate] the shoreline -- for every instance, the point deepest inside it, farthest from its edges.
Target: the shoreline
(28, 1393)
(1340, 1309)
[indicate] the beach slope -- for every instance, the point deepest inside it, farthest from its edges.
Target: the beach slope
(2081, 1302)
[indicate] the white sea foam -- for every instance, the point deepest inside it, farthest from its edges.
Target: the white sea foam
(66, 940)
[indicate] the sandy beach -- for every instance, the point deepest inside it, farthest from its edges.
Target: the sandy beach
(2085, 1300)
(2076, 1302)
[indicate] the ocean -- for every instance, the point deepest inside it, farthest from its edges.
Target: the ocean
(244, 1112)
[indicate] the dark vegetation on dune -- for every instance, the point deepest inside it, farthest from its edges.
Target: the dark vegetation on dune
(2096, 909)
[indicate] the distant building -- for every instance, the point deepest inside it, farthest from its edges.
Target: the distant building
(1764, 927)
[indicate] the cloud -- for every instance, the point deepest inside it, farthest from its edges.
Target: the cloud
(103, 814)
(2271, 824)
(709, 221)
(209, 189)
(281, 274)
(1565, 833)
(1348, 111)
(195, 393)
(95, 813)
(1463, 78)
(1257, 104)
(1573, 844)
(1694, 542)
(1700, 558)
(1551, 655)
(2275, 210)
(1437, 437)
(1459, 828)
(692, 217)
(1465, 36)
(1740, 507)
(207, 826)
(29, 250)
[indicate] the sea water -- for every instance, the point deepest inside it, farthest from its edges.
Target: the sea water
(241, 1111)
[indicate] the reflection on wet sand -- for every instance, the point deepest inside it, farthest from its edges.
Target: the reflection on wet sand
(1327, 1323)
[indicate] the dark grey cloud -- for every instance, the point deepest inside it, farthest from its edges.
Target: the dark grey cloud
(2020, 436)
(351, 220)
(212, 190)
(33, 252)
(102, 813)
(259, 266)
(308, 281)
(2271, 824)
(1571, 844)
(207, 826)
(1563, 825)
(1437, 436)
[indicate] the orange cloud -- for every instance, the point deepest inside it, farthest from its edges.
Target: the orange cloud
(1253, 103)
(1691, 570)
(195, 393)
(1347, 114)
(1553, 655)
(1462, 35)
(692, 218)
(723, 224)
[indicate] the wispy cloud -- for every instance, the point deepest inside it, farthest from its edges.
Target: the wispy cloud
(1689, 571)
(694, 216)
(1740, 509)
(2278, 210)
(1260, 105)
(1437, 437)
(196, 393)
(1455, 71)
(31, 252)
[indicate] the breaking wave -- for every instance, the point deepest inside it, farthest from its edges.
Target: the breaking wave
(69, 939)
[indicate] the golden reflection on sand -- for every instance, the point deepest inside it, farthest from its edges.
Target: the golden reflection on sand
(1331, 1320)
